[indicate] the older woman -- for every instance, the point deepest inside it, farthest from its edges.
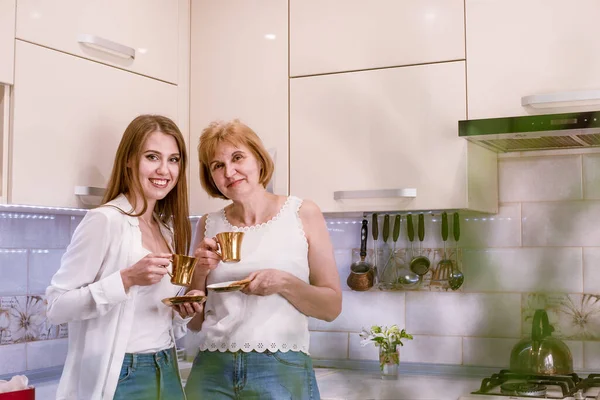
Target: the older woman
(254, 342)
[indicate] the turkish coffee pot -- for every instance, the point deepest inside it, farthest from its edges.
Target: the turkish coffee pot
(362, 275)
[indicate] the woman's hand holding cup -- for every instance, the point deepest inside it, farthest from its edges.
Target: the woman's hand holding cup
(207, 256)
(147, 271)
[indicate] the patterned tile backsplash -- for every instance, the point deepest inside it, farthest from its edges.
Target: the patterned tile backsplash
(541, 251)
(23, 319)
(573, 316)
(31, 245)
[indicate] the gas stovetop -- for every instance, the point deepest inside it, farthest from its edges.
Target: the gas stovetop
(511, 385)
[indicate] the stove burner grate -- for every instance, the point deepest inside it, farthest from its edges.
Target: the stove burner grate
(523, 389)
(567, 384)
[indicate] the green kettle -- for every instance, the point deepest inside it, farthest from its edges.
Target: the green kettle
(541, 354)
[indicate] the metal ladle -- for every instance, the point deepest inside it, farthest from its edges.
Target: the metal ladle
(406, 278)
(444, 267)
(456, 278)
(385, 283)
(375, 231)
(385, 233)
(420, 265)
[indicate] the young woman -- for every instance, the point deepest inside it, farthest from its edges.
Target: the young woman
(254, 342)
(114, 274)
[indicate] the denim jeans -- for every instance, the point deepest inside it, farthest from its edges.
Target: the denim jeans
(153, 376)
(252, 375)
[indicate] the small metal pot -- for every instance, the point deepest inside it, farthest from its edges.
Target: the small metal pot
(361, 276)
(420, 264)
(542, 354)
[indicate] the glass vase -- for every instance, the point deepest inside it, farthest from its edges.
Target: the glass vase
(389, 360)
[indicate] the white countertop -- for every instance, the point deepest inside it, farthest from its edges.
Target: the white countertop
(346, 384)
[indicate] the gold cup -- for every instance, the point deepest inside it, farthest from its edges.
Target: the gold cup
(230, 244)
(183, 269)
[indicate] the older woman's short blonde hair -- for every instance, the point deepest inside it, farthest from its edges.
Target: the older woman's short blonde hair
(235, 133)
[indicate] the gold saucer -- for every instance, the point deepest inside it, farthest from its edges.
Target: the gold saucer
(230, 286)
(171, 301)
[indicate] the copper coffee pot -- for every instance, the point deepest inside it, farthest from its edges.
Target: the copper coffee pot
(361, 272)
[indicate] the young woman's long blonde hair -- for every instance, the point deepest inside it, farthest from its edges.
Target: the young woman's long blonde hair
(174, 207)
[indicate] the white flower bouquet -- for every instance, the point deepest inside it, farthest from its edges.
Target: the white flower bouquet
(387, 339)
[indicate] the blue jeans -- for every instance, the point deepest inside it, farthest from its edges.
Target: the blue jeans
(153, 376)
(252, 375)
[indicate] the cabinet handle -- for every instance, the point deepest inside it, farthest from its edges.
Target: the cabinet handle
(89, 195)
(372, 194)
(89, 191)
(546, 100)
(106, 45)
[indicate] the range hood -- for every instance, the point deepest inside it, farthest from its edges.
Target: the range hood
(534, 132)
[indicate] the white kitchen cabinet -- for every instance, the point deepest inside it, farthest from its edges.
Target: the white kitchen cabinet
(347, 35)
(387, 129)
(7, 40)
(239, 69)
(69, 117)
(519, 48)
(136, 35)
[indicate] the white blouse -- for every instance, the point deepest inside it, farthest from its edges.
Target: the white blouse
(152, 320)
(88, 293)
(235, 321)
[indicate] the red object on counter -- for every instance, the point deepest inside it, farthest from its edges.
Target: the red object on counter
(26, 394)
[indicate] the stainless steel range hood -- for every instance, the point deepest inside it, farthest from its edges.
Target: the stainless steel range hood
(534, 132)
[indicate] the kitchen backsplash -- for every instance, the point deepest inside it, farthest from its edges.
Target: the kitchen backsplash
(542, 250)
(31, 245)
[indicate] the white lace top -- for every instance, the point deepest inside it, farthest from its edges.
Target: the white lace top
(236, 321)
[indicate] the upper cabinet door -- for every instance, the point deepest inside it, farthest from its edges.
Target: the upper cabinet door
(239, 69)
(519, 48)
(348, 35)
(69, 117)
(136, 35)
(7, 40)
(373, 133)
